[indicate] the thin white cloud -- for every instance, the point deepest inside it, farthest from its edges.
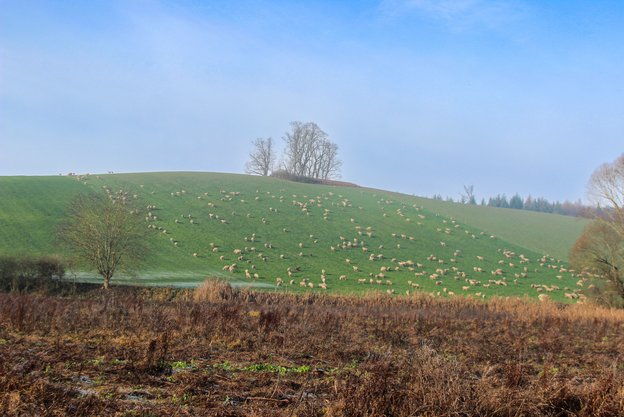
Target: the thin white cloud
(460, 14)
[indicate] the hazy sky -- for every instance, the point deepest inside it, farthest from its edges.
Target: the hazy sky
(422, 96)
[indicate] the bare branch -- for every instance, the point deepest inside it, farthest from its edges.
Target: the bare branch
(309, 153)
(105, 233)
(262, 158)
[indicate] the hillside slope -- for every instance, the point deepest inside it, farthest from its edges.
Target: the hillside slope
(204, 223)
(546, 233)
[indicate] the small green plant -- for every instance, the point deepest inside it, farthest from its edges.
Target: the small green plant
(226, 366)
(266, 367)
(301, 369)
(181, 365)
(95, 362)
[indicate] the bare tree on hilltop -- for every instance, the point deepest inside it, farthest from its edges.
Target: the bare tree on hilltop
(468, 197)
(309, 152)
(262, 158)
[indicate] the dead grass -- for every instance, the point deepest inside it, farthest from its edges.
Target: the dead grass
(226, 352)
(213, 290)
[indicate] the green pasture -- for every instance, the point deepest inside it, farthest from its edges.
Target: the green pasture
(542, 232)
(278, 225)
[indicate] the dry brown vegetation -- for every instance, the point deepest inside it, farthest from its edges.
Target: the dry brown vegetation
(225, 352)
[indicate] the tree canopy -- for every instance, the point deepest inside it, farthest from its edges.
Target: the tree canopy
(600, 249)
(104, 233)
(261, 158)
(308, 152)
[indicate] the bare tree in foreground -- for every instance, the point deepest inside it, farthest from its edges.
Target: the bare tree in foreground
(262, 158)
(606, 187)
(309, 152)
(104, 233)
(600, 248)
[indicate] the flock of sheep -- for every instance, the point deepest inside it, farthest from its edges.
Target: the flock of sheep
(367, 258)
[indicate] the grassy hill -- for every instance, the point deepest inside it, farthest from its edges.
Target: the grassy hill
(205, 222)
(552, 234)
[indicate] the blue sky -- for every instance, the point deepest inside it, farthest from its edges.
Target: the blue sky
(422, 96)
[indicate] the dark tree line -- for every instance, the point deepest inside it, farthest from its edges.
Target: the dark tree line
(566, 208)
(540, 204)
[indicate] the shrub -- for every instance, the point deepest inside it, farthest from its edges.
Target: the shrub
(285, 175)
(9, 269)
(30, 273)
(214, 290)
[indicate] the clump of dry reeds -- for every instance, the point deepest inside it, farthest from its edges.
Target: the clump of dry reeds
(213, 290)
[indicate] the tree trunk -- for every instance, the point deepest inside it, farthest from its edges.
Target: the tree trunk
(106, 281)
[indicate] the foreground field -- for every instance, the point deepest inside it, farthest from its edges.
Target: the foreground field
(310, 238)
(222, 352)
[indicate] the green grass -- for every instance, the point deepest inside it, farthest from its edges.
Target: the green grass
(30, 210)
(541, 232)
(31, 207)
